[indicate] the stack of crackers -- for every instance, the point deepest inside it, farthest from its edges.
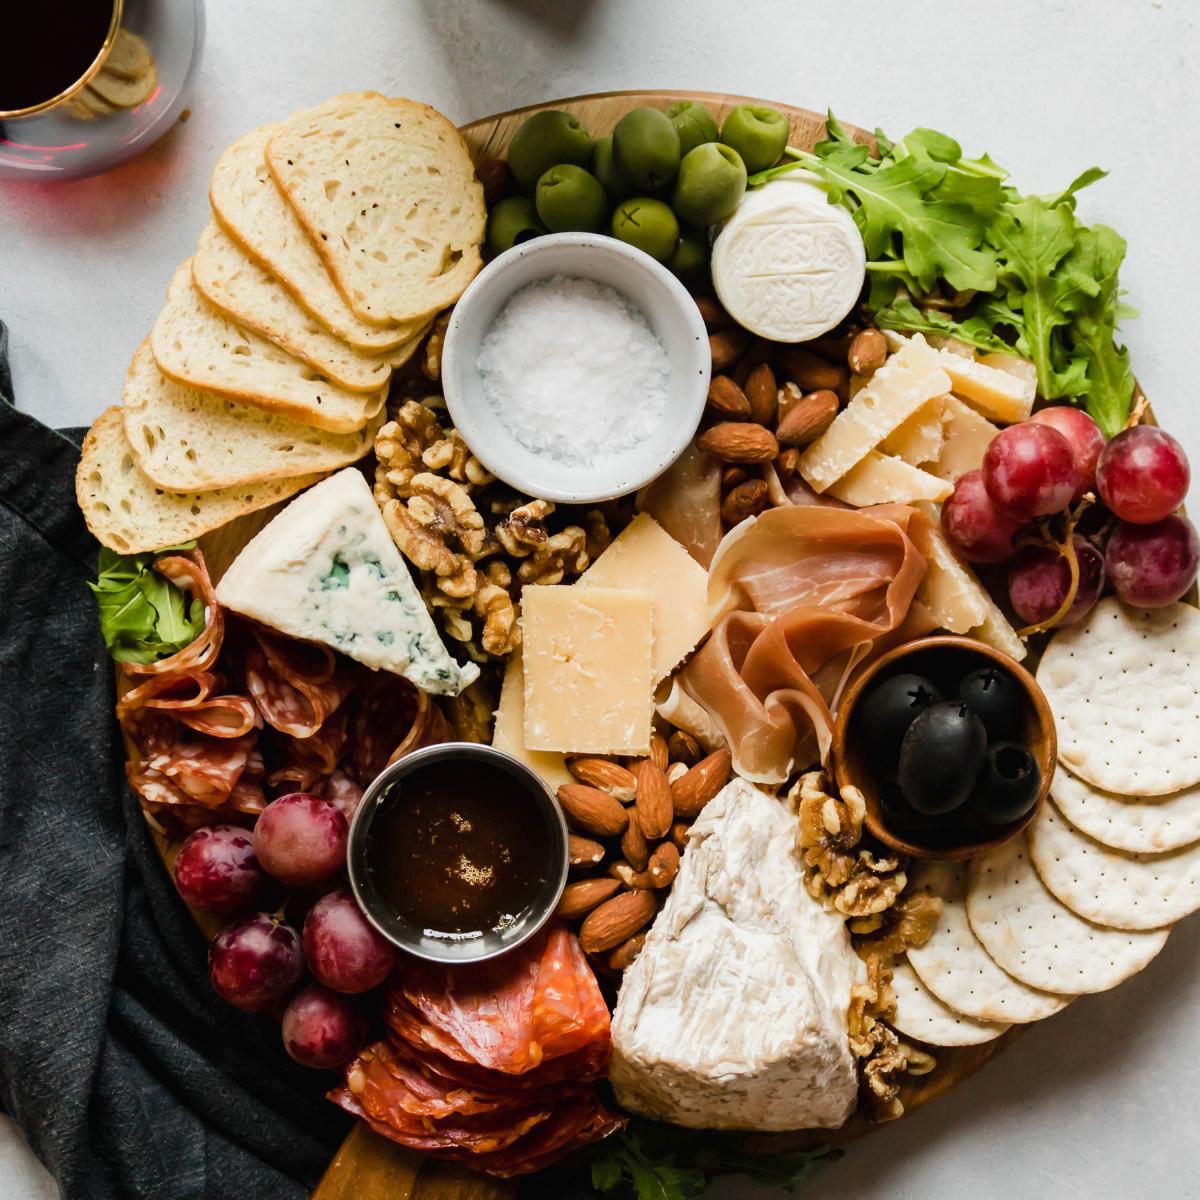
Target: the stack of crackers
(337, 237)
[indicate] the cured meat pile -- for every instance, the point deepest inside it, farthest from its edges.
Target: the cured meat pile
(492, 1064)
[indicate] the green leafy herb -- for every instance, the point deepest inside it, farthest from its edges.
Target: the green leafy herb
(143, 615)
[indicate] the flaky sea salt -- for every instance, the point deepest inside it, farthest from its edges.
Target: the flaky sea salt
(574, 371)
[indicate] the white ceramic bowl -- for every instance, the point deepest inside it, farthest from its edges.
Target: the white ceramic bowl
(672, 315)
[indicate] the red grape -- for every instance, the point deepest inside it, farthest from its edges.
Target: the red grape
(1151, 565)
(323, 1029)
(1040, 578)
(300, 839)
(1085, 437)
(1029, 470)
(256, 963)
(216, 870)
(343, 950)
(1143, 475)
(974, 526)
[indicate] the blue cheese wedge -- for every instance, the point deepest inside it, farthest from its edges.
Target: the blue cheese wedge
(326, 570)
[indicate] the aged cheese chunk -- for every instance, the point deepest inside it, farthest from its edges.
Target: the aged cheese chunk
(968, 436)
(997, 632)
(878, 479)
(997, 394)
(902, 385)
(919, 440)
(587, 669)
(789, 265)
(1022, 368)
(734, 1014)
(644, 555)
(326, 569)
(509, 731)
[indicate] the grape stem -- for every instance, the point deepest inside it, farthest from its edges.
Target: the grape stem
(1138, 411)
(1065, 547)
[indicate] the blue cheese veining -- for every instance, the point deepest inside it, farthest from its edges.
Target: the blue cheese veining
(326, 569)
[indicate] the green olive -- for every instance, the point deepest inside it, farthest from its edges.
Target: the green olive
(545, 140)
(690, 260)
(694, 124)
(710, 183)
(568, 198)
(605, 169)
(647, 224)
(646, 148)
(512, 222)
(758, 134)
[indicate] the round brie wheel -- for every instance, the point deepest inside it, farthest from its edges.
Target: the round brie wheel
(788, 265)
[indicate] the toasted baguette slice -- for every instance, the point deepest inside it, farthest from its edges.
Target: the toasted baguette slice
(188, 440)
(254, 213)
(198, 346)
(230, 280)
(127, 513)
(388, 194)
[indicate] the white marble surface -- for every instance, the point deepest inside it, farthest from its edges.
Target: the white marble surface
(1103, 1100)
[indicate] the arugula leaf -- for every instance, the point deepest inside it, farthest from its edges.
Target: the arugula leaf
(786, 1171)
(903, 315)
(622, 1166)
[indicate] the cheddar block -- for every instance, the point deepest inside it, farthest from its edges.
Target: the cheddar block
(878, 479)
(509, 732)
(644, 555)
(919, 440)
(588, 665)
(902, 385)
(997, 394)
(968, 436)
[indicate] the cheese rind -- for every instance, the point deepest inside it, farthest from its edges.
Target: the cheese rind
(968, 435)
(878, 479)
(587, 662)
(326, 570)
(508, 733)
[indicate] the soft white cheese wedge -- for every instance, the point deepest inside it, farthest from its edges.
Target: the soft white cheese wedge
(734, 1014)
(789, 265)
(326, 570)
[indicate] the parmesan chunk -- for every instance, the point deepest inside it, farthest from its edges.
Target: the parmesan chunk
(1001, 395)
(968, 436)
(509, 732)
(878, 479)
(920, 439)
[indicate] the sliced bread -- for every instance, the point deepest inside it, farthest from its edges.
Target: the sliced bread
(388, 194)
(198, 346)
(127, 513)
(254, 213)
(190, 440)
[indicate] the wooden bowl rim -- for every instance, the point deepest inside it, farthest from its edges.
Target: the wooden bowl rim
(1045, 718)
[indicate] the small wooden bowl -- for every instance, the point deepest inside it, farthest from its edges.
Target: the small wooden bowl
(850, 760)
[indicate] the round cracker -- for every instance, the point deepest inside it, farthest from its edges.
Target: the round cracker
(956, 968)
(1037, 938)
(921, 1015)
(1124, 687)
(1139, 823)
(1113, 887)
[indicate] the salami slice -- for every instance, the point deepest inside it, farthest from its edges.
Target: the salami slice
(180, 765)
(190, 697)
(388, 708)
(188, 573)
(568, 1010)
(296, 685)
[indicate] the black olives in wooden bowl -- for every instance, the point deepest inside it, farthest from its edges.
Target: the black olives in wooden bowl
(951, 743)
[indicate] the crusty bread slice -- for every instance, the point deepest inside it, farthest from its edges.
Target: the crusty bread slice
(190, 440)
(230, 280)
(388, 194)
(254, 213)
(127, 513)
(198, 346)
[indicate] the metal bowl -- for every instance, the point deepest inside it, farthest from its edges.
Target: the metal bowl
(456, 947)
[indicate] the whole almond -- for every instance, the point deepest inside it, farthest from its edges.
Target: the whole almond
(867, 353)
(814, 374)
(808, 419)
(683, 748)
(732, 476)
(786, 464)
(701, 784)
(679, 835)
(655, 806)
(624, 955)
(746, 500)
(739, 443)
(727, 347)
(583, 852)
(635, 847)
(616, 920)
(658, 751)
(760, 351)
(726, 398)
(664, 865)
(579, 898)
(608, 776)
(761, 395)
(592, 811)
(714, 316)
(624, 873)
(494, 174)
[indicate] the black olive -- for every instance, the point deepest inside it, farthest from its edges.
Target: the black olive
(1008, 784)
(941, 756)
(899, 815)
(887, 713)
(995, 697)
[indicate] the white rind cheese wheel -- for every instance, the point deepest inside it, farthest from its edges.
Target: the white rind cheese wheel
(788, 265)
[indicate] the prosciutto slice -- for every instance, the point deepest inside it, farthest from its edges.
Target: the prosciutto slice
(686, 501)
(801, 597)
(295, 684)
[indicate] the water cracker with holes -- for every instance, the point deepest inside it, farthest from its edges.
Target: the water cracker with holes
(1124, 687)
(921, 1015)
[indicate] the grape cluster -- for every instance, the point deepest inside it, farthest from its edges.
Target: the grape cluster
(1051, 462)
(258, 962)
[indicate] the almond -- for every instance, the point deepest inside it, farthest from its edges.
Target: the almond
(608, 776)
(664, 865)
(786, 464)
(701, 784)
(727, 398)
(593, 811)
(683, 748)
(732, 476)
(812, 373)
(746, 500)
(658, 751)
(760, 351)
(494, 174)
(808, 420)
(679, 835)
(867, 353)
(624, 955)
(655, 806)
(616, 920)
(583, 852)
(739, 443)
(727, 347)
(635, 847)
(834, 348)
(677, 771)
(761, 395)
(715, 317)
(624, 873)
(579, 898)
